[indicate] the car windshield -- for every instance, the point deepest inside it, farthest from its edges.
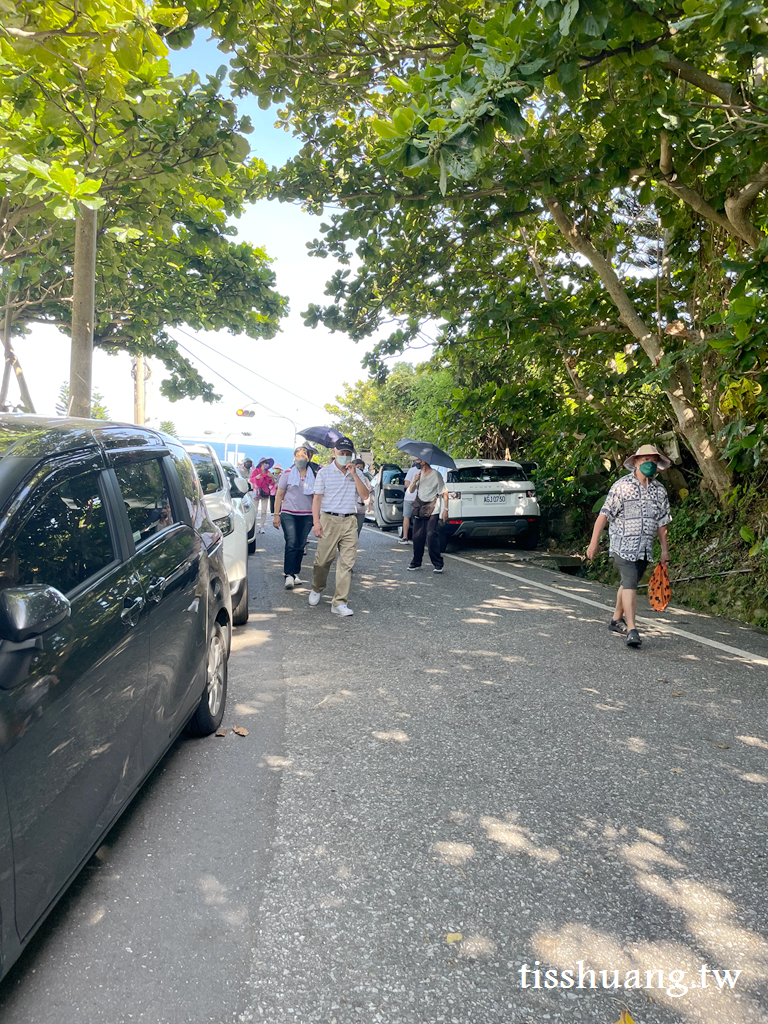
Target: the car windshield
(207, 473)
(486, 474)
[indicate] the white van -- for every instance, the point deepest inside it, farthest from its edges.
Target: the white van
(491, 498)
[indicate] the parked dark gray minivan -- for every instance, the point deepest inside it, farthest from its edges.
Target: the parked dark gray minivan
(115, 623)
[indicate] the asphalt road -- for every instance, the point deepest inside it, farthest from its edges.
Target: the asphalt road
(468, 776)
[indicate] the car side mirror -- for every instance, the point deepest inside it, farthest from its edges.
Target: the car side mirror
(26, 612)
(239, 487)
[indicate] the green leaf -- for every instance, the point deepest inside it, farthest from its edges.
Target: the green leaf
(747, 535)
(384, 129)
(742, 330)
(570, 10)
(170, 17)
(437, 124)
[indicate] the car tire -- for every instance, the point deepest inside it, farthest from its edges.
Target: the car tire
(210, 711)
(529, 539)
(252, 543)
(240, 610)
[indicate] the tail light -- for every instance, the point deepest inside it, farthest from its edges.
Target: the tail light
(454, 494)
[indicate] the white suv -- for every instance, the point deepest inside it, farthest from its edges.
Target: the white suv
(230, 520)
(491, 498)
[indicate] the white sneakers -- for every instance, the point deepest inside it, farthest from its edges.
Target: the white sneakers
(289, 582)
(337, 609)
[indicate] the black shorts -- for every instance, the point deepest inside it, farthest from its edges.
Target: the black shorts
(631, 572)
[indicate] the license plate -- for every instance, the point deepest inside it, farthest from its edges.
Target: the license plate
(494, 499)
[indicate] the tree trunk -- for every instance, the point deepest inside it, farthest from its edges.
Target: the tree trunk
(26, 398)
(7, 321)
(83, 296)
(679, 390)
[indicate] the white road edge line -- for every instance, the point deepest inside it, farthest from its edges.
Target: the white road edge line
(755, 659)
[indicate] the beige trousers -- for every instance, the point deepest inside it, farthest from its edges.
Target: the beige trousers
(339, 534)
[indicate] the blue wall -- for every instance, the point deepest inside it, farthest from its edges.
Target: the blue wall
(283, 456)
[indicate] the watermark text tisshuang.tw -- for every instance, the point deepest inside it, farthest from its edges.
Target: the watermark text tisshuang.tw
(674, 983)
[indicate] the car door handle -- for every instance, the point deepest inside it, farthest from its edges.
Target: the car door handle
(156, 588)
(131, 610)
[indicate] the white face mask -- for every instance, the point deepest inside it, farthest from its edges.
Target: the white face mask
(343, 460)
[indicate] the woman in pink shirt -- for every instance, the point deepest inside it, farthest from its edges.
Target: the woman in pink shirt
(264, 487)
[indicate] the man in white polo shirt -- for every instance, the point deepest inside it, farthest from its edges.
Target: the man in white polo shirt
(337, 489)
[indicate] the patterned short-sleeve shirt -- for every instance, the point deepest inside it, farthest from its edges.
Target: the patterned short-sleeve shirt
(634, 513)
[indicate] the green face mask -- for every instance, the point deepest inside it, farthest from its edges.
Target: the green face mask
(648, 468)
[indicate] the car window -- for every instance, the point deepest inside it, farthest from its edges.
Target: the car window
(207, 473)
(146, 498)
(64, 541)
(189, 484)
(486, 474)
(392, 476)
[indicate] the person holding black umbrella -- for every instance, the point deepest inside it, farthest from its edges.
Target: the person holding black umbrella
(430, 501)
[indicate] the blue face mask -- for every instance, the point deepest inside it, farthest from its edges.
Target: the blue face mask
(343, 460)
(648, 468)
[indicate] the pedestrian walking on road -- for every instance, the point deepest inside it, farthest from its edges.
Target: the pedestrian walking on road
(263, 488)
(276, 472)
(408, 500)
(293, 512)
(637, 509)
(360, 503)
(334, 510)
(245, 468)
(430, 502)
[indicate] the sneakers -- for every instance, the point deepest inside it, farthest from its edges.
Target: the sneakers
(403, 540)
(617, 625)
(290, 582)
(438, 570)
(314, 597)
(297, 582)
(633, 638)
(341, 609)
(413, 568)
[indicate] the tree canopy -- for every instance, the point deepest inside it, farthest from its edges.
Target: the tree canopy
(94, 119)
(575, 190)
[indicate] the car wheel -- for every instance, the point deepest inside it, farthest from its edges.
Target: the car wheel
(252, 543)
(529, 539)
(210, 711)
(240, 610)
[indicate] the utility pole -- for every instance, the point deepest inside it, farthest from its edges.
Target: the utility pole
(83, 296)
(139, 372)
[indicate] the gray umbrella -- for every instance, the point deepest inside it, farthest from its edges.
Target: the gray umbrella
(426, 451)
(326, 436)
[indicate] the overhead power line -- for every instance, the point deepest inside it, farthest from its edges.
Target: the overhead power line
(248, 369)
(256, 401)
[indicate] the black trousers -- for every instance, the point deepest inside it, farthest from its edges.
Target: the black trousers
(425, 533)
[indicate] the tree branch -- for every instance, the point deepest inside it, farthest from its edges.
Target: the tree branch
(736, 205)
(688, 195)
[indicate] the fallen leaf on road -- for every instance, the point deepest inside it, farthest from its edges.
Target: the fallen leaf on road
(625, 1018)
(222, 732)
(722, 746)
(677, 771)
(675, 694)
(239, 730)
(454, 937)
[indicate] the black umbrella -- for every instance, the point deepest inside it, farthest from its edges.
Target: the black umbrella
(326, 436)
(426, 451)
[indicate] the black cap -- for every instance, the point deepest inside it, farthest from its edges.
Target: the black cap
(344, 444)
